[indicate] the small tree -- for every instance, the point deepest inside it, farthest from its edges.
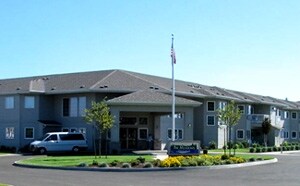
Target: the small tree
(230, 116)
(100, 116)
(266, 128)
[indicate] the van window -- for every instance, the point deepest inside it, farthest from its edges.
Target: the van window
(53, 137)
(66, 137)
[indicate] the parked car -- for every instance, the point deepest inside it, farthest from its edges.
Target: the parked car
(59, 142)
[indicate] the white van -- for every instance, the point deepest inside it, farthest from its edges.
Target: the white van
(59, 142)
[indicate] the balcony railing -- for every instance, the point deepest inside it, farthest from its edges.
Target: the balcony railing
(257, 118)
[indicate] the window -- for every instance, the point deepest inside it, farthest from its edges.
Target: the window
(211, 120)
(286, 115)
(71, 137)
(74, 106)
(250, 109)
(66, 109)
(240, 134)
(143, 133)
(82, 130)
(222, 105)
(29, 102)
(241, 108)
(29, 133)
(82, 106)
(9, 132)
(294, 134)
(128, 120)
(178, 134)
(65, 130)
(143, 121)
(52, 137)
(9, 102)
(210, 106)
(73, 130)
(285, 134)
(294, 115)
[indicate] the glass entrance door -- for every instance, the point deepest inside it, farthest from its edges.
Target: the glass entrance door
(128, 138)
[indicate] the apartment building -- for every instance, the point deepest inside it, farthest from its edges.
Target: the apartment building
(141, 105)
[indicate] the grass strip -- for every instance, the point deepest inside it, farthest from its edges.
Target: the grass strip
(72, 161)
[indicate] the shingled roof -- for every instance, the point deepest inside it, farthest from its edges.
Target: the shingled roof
(122, 81)
(151, 97)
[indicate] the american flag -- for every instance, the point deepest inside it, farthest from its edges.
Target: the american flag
(173, 56)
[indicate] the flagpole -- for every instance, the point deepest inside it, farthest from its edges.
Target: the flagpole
(173, 91)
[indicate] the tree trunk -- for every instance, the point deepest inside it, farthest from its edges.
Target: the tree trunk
(100, 141)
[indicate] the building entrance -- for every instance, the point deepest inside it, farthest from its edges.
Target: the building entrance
(128, 138)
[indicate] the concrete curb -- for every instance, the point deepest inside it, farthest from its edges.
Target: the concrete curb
(148, 169)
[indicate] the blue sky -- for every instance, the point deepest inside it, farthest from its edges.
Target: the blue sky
(251, 46)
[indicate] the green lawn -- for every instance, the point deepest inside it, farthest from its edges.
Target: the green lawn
(2, 184)
(65, 161)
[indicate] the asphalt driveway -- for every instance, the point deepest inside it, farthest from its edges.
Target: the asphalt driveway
(285, 172)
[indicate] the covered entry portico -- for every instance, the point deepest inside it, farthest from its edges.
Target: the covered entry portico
(136, 119)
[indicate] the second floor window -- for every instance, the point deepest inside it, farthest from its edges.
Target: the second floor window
(210, 106)
(29, 102)
(9, 102)
(74, 106)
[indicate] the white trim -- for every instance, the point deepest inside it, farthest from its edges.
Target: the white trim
(237, 136)
(207, 106)
(207, 120)
(146, 133)
(32, 132)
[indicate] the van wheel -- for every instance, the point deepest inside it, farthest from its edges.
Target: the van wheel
(75, 149)
(42, 151)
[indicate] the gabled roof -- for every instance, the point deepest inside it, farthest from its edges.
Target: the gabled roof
(151, 97)
(125, 82)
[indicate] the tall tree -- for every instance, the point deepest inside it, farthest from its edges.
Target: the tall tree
(229, 116)
(99, 115)
(266, 128)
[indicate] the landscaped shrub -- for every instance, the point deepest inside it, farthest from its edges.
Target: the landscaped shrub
(258, 150)
(225, 157)
(237, 160)
(227, 162)
(254, 145)
(83, 164)
(264, 149)
(141, 159)
(148, 165)
(212, 145)
(284, 148)
(252, 159)
(156, 162)
(94, 163)
(126, 165)
(245, 144)
(259, 159)
(297, 147)
(275, 149)
(252, 149)
(103, 164)
(134, 163)
(270, 149)
(170, 162)
(114, 163)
